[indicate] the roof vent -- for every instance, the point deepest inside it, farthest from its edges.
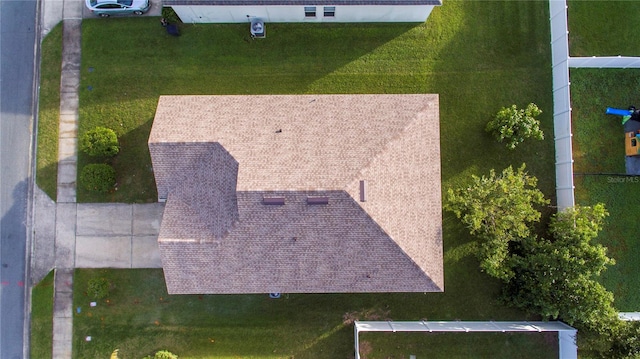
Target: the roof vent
(317, 200)
(363, 196)
(278, 201)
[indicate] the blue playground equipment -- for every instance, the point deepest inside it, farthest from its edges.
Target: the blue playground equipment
(618, 112)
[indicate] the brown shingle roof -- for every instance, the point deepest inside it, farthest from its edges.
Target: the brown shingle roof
(216, 157)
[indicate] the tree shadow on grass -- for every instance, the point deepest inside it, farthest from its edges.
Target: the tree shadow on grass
(498, 56)
(217, 59)
(135, 182)
(128, 63)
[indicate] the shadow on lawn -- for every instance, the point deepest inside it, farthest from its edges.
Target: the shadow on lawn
(121, 83)
(47, 180)
(484, 69)
(480, 70)
(211, 59)
(133, 170)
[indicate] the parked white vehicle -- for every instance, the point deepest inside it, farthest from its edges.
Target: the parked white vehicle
(106, 8)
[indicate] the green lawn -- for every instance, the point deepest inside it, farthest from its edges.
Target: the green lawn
(599, 148)
(603, 28)
(49, 112)
(458, 345)
(42, 318)
(478, 56)
(139, 318)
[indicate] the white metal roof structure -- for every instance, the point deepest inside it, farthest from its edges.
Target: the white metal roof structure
(566, 334)
(629, 316)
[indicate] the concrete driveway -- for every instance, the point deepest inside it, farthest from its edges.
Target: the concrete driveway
(118, 235)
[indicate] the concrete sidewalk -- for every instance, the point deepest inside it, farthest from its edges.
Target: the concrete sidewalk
(67, 235)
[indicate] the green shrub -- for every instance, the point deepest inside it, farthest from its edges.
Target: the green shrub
(513, 126)
(165, 354)
(100, 142)
(170, 15)
(98, 288)
(99, 177)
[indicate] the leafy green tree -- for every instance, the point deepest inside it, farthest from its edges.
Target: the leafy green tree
(557, 278)
(498, 209)
(625, 342)
(100, 142)
(513, 126)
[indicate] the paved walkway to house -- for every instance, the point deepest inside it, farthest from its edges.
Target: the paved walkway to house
(67, 235)
(71, 235)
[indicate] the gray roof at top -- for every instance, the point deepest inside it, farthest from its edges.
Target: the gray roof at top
(299, 2)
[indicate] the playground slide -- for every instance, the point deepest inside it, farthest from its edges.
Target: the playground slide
(618, 112)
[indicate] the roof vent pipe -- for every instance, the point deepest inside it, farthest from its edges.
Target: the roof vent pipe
(363, 196)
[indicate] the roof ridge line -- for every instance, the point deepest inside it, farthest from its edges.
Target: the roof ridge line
(383, 149)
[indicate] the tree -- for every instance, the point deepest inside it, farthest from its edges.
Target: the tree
(497, 209)
(615, 339)
(557, 278)
(626, 341)
(100, 142)
(513, 126)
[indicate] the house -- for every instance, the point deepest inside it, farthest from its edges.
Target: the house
(299, 193)
(238, 11)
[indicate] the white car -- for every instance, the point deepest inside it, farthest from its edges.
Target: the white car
(106, 8)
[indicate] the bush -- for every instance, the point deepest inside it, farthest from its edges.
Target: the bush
(98, 177)
(164, 354)
(98, 288)
(100, 142)
(171, 16)
(513, 126)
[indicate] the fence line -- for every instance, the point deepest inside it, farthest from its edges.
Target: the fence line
(561, 62)
(629, 316)
(567, 348)
(561, 104)
(601, 62)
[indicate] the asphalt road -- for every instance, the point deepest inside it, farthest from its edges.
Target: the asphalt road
(17, 40)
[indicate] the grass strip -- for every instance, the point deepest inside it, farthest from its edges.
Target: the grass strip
(42, 318)
(49, 112)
